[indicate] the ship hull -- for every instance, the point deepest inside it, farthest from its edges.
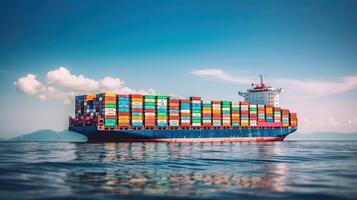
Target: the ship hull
(192, 135)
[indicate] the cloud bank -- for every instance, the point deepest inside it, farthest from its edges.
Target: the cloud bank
(61, 84)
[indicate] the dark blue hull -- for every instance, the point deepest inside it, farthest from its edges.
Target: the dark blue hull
(192, 135)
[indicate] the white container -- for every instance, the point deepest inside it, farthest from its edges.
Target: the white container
(149, 114)
(136, 121)
(109, 110)
(185, 121)
(150, 100)
(207, 121)
(110, 113)
(185, 111)
(196, 115)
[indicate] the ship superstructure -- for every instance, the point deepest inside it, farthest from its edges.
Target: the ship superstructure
(262, 94)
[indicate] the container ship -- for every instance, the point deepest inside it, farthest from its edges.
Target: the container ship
(111, 117)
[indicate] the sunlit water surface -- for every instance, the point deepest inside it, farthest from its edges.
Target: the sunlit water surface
(295, 170)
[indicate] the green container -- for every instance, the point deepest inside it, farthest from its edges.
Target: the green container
(109, 121)
(235, 109)
(226, 103)
(196, 121)
(161, 97)
(196, 111)
(149, 104)
(110, 106)
(149, 97)
(235, 124)
(161, 114)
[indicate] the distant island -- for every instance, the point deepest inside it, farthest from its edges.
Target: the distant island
(322, 136)
(47, 135)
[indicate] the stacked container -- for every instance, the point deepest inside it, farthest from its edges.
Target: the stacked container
(185, 113)
(174, 112)
(235, 114)
(253, 115)
(269, 113)
(136, 110)
(244, 114)
(285, 117)
(123, 102)
(261, 113)
(196, 118)
(106, 104)
(79, 106)
(216, 113)
(206, 113)
(293, 120)
(149, 111)
(226, 113)
(161, 111)
(88, 104)
(277, 114)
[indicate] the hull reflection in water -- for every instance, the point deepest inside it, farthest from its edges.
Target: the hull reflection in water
(186, 169)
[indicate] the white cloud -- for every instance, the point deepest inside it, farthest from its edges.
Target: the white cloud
(63, 77)
(220, 74)
(29, 85)
(61, 84)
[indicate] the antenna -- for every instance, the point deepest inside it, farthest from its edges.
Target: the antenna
(261, 80)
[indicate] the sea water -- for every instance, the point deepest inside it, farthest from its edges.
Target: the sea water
(274, 170)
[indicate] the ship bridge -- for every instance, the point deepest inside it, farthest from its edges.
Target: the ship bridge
(262, 94)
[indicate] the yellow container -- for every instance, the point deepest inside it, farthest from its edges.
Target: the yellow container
(137, 100)
(123, 117)
(161, 118)
(110, 94)
(136, 118)
(216, 111)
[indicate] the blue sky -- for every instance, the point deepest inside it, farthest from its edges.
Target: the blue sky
(159, 44)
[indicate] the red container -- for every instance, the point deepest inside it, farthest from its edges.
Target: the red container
(206, 114)
(174, 107)
(136, 110)
(174, 101)
(110, 117)
(124, 124)
(185, 114)
(184, 101)
(206, 124)
(195, 98)
(136, 95)
(243, 103)
(123, 114)
(147, 110)
(174, 117)
(185, 124)
(216, 118)
(216, 102)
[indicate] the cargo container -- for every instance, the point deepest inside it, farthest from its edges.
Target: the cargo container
(261, 113)
(136, 101)
(185, 113)
(269, 117)
(226, 113)
(161, 111)
(149, 111)
(277, 114)
(244, 114)
(253, 115)
(216, 113)
(207, 113)
(196, 117)
(123, 102)
(106, 104)
(285, 117)
(174, 112)
(293, 120)
(235, 114)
